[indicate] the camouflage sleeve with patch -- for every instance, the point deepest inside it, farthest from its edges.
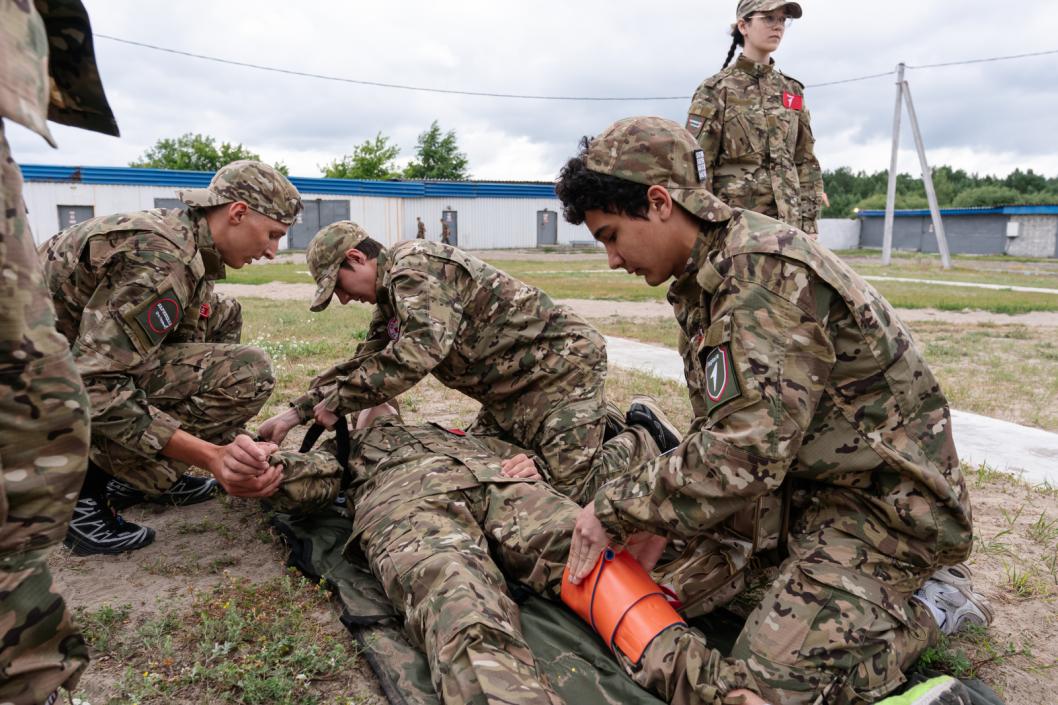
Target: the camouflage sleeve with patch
(140, 301)
(809, 174)
(765, 361)
(428, 311)
(705, 122)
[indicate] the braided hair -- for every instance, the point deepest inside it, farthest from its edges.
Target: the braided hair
(737, 40)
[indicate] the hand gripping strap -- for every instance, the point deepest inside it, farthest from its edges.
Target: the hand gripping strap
(621, 603)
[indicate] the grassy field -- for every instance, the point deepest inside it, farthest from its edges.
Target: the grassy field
(590, 278)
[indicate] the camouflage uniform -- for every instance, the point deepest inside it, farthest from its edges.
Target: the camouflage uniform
(420, 230)
(445, 232)
(157, 347)
(754, 128)
(799, 372)
(430, 506)
(429, 503)
(537, 368)
(43, 408)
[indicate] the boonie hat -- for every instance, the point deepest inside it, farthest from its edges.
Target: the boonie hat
(326, 254)
(653, 150)
(748, 7)
(258, 185)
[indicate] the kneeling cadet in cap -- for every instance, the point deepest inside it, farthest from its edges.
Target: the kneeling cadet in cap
(806, 386)
(168, 382)
(537, 368)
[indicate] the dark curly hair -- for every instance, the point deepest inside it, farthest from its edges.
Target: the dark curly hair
(582, 190)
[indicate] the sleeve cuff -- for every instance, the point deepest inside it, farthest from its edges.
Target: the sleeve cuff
(606, 513)
(158, 434)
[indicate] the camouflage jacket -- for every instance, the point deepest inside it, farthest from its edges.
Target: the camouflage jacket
(48, 69)
(752, 123)
(475, 328)
(797, 366)
(123, 285)
(395, 464)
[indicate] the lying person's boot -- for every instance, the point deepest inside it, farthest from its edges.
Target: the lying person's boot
(615, 421)
(96, 528)
(942, 690)
(185, 491)
(644, 411)
(949, 595)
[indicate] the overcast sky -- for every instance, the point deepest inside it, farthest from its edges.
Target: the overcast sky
(985, 118)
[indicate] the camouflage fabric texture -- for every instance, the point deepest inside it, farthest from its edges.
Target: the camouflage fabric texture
(43, 458)
(748, 7)
(537, 368)
(755, 131)
(155, 345)
(326, 254)
(800, 372)
(446, 233)
(49, 68)
(436, 522)
(420, 230)
(260, 186)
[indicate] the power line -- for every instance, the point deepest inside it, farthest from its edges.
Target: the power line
(984, 61)
(487, 94)
(380, 84)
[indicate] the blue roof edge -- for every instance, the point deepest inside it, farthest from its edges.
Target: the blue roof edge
(998, 210)
(133, 176)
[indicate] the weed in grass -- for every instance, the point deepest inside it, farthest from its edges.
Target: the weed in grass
(1021, 582)
(100, 626)
(993, 546)
(1011, 518)
(233, 645)
(1043, 530)
(947, 658)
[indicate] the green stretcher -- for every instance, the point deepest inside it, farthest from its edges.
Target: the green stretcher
(577, 664)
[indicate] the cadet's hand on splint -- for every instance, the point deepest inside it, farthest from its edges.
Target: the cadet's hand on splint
(242, 468)
(589, 540)
(520, 466)
(646, 548)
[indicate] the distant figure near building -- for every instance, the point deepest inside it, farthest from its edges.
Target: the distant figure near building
(445, 232)
(420, 229)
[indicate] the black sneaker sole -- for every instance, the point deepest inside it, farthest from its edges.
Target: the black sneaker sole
(85, 548)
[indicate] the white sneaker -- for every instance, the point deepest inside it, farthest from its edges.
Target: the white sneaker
(949, 594)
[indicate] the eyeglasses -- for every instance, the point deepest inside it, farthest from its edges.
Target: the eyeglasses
(773, 20)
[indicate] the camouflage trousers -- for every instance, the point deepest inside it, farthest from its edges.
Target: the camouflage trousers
(211, 388)
(43, 450)
(433, 561)
(837, 626)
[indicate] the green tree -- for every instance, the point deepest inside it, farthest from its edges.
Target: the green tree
(372, 159)
(437, 156)
(195, 152)
(991, 195)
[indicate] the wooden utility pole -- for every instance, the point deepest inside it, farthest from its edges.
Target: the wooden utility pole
(903, 91)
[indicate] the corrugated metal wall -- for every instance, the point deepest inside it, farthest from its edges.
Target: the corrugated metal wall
(484, 222)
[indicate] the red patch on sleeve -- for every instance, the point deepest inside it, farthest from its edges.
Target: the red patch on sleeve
(792, 100)
(204, 310)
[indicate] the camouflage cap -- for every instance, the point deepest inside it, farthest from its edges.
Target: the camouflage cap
(310, 480)
(748, 7)
(656, 151)
(326, 254)
(258, 185)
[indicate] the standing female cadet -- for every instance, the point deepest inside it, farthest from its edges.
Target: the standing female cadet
(751, 121)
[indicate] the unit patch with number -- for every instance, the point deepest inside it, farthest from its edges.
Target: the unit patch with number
(721, 384)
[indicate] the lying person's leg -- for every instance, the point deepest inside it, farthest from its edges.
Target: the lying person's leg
(434, 565)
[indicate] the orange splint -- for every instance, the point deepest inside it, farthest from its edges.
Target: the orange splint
(621, 603)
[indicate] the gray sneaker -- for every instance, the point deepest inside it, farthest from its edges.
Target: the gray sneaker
(949, 590)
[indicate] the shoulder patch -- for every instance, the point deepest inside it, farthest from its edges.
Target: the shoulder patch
(157, 316)
(721, 383)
